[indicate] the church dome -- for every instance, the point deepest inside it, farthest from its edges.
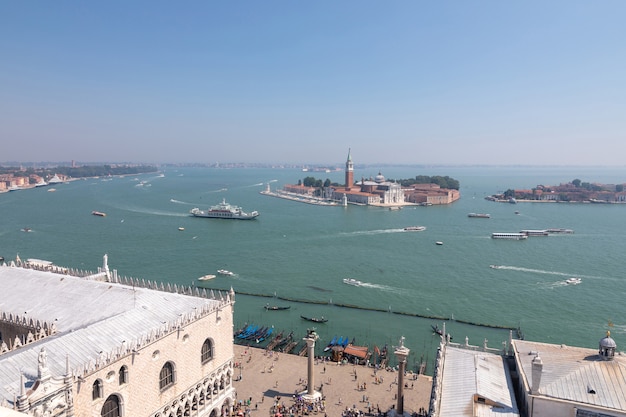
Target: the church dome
(608, 342)
(379, 178)
(607, 347)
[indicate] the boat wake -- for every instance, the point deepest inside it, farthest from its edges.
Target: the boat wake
(545, 272)
(372, 232)
(535, 271)
(381, 287)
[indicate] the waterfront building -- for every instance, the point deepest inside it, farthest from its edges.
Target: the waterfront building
(528, 378)
(431, 194)
(74, 343)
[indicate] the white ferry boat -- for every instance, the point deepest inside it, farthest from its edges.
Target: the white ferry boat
(573, 281)
(535, 232)
(511, 236)
(479, 215)
(224, 211)
(560, 230)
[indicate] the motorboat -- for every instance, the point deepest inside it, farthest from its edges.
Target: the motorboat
(573, 281)
(98, 213)
(495, 266)
(206, 277)
(479, 215)
(352, 281)
(181, 228)
(414, 228)
(225, 272)
(439, 243)
(224, 211)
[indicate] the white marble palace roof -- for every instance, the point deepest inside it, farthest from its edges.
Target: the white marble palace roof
(92, 318)
(575, 374)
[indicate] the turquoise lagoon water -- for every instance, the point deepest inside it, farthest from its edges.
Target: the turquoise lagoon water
(302, 252)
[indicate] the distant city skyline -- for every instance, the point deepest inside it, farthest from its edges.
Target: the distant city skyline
(277, 82)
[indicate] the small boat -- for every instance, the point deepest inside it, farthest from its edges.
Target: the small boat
(414, 228)
(315, 319)
(437, 330)
(27, 229)
(273, 308)
(98, 213)
(181, 228)
(573, 281)
(352, 281)
(225, 272)
(495, 266)
(439, 243)
(206, 277)
(479, 215)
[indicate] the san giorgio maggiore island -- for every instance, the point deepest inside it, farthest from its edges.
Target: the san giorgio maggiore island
(375, 191)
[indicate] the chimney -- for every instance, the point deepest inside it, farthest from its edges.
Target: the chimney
(536, 375)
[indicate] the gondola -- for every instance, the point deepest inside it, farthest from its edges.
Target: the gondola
(269, 307)
(315, 319)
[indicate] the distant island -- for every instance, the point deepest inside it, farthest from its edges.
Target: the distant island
(575, 191)
(422, 190)
(15, 178)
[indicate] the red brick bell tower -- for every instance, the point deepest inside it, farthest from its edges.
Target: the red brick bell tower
(349, 172)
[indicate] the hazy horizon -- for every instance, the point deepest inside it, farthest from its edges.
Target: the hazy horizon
(485, 83)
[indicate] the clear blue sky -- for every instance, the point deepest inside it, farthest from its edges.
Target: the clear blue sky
(412, 82)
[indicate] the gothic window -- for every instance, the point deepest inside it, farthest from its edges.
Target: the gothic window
(207, 351)
(123, 375)
(167, 377)
(96, 391)
(111, 407)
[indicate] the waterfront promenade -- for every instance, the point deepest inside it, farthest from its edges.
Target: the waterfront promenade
(268, 378)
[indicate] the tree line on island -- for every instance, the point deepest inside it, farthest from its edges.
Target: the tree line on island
(83, 171)
(443, 182)
(576, 190)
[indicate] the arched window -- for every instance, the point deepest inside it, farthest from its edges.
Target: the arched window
(123, 375)
(207, 351)
(111, 407)
(167, 377)
(96, 391)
